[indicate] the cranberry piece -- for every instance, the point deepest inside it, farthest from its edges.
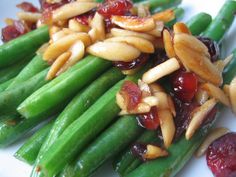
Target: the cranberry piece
(160, 56)
(114, 7)
(184, 85)
(212, 46)
(27, 7)
(221, 156)
(149, 120)
(139, 150)
(52, 6)
(86, 18)
(131, 94)
(140, 61)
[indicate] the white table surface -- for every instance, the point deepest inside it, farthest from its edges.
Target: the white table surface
(11, 167)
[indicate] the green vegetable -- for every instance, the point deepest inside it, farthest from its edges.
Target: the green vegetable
(199, 23)
(108, 144)
(23, 46)
(4, 85)
(63, 87)
(222, 21)
(9, 72)
(229, 71)
(30, 149)
(179, 13)
(79, 104)
(10, 99)
(36, 65)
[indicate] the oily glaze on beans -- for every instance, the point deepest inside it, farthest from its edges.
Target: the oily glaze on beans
(221, 156)
(140, 61)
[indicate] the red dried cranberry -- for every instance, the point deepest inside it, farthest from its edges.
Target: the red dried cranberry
(114, 7)
(212, 46)
(184, 85)
(221, 156)
(52, 6)
(183, 114)
(28, 7)
(85, 18)
(140, 61)
(139, 150)
(149, 120)
(109, 25)
(131, 94)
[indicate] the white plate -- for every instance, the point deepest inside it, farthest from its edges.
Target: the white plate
(10, 167)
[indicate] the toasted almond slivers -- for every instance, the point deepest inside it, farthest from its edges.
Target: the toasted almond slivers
(226, 89)
(143, 10)
(167, 126)
(171, 105)
(53, 30)
(201, 96)
(77, 52)
(181, 28)
(121, 32)
(211, 137)
(154, 152)
(169, 48)
(120, 101)
(141, 44)
(220, 64)
(60, 46)
(114, 51)
(98, 24)
(59, 62)
(140, 109)
(161, 70)
(42, 49)
(198, 116)
(157, 31)
(163, 102)
(134, 23)
(145, 89)
(29, 16)
(9, 21)
(164, 16)
(76, 26)
(194, 56)
(151, 100)
(72, 9)
(216, 93)
(155, 88)
(232, 94)
(55, 37)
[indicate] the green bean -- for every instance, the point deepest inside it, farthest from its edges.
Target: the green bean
(36, 65)
(62, 87)
(222, 21)
(163, 4)
(23, 46)
(179, 13)
(80, 103)
(6, 84)
(108, 144)
(199, 23)
(30, 149)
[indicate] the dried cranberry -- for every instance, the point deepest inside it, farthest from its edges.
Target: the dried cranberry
(28, 7)
(140, 61)
(149, 120)
(183, 115)
(160, 56)
(184, 85)
(115, 7)
(52, 6)
(212, 46)
(85, 18)
(139, 150)
(221, 156)
(109, 25)
(131, 94)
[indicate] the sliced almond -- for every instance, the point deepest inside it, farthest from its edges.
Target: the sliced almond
(161, 70)
(221, 64)
(42, 49)
(167, 126)
(201, 96)
(157, 31)
(232, 94)
(76, 26)
(141, 109)
(169, 48)
(29, 16)
(151, 100)
(171, 105)
(226, 89)
(145, 89)
(142, 44)
(121, 32)
(211, 137)
(154, 152)
(99, 24)
(180, 27)
(55, 37)
(60, 61)
(53, 30)
(114, 51)
(72, 9)
(164, 16)
(143, 10)
(163, 102)
(77, 53)
(194, 56)
(216, 93)
(134, 23)
(155, 88)
(120, 101)
(198, 116)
